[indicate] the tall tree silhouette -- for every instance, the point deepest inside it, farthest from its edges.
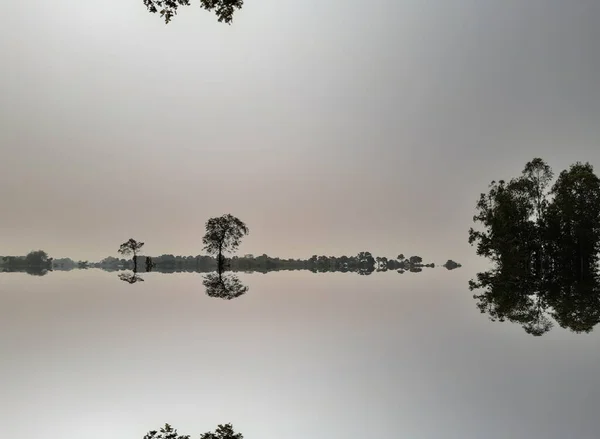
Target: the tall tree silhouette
(573, 223)
(131, 247)
(223, 234)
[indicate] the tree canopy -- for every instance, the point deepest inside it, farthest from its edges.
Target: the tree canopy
(37, 258)
(223, 9)
(223, 234)
(130, 246)
(168, 432)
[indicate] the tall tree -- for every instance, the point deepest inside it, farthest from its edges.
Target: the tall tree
(223, 234)
(224, 9)
(505, 214)
(131, 247)
(537, 176)
(573, 223)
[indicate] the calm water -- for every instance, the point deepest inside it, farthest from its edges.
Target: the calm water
(300, 355)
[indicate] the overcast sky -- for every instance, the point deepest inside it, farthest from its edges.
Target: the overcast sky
(329, 127)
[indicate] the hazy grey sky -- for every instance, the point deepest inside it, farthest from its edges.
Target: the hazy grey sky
(328, 126)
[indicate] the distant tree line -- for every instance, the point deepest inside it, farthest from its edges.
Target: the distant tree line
(36, 263)
(362, 263)
(169, 263)
(223, 235)
(168, 432)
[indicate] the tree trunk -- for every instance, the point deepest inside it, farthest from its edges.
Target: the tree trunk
(134, 263)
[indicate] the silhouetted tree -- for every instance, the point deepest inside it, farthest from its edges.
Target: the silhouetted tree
(223, 234)
(224, 9)
(451, 265)
(37, 258)
(129, 247)
(573, 223)
(414, 260)
(222, 432)
(166, 432)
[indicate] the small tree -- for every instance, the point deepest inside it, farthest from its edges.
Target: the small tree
(129, 247)
(222, 432)
(167, 432)
(223, 234)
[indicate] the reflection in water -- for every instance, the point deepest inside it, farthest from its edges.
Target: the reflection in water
(130, 278)
(224, 286)
(521, 298)
(36, 271)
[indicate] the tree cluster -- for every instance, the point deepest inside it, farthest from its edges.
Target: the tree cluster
(168, 432)
(223, 9)
(543, 239)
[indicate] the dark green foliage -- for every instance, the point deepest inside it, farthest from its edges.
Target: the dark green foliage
(36, 263)
(129, 247)
(37, 258)
(544, 244)
(415, 260)
(222, 432)
(223, 9)
(130, 278)
(223, 234)
(224, 286)
(166, 432)
(451, 265)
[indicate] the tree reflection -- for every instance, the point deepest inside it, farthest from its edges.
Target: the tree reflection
(224, 286)
(130, 278)
(36, 271)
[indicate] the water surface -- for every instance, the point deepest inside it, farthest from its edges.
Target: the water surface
(300, 355)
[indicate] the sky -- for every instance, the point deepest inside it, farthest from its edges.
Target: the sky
(328, 127)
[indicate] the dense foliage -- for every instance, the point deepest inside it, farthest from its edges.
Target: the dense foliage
(544, 243)
(223, 9)
(168, 432)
